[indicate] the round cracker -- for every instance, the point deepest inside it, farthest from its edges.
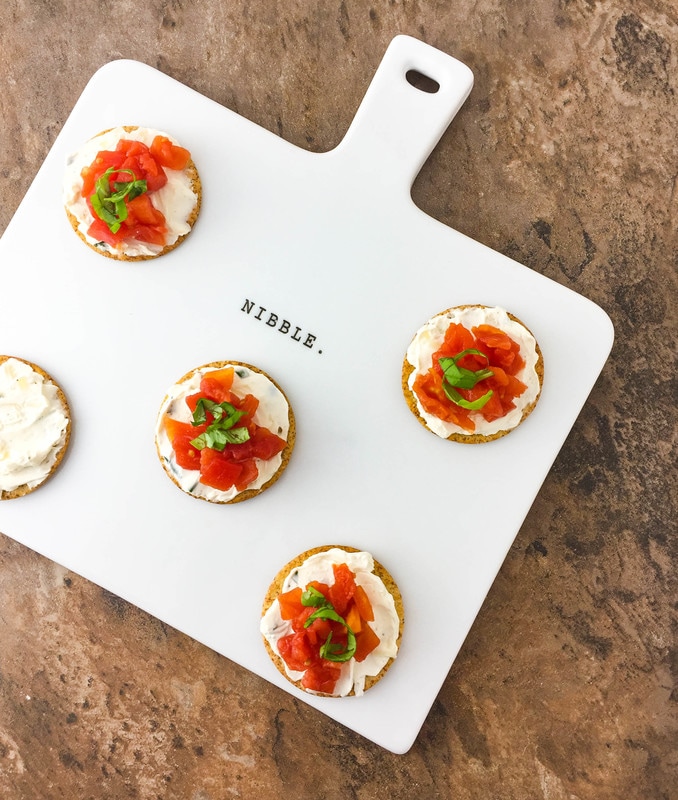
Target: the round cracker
(196, 185)
(276, 588)
(25, 489)
(286, 453)
(473, 438)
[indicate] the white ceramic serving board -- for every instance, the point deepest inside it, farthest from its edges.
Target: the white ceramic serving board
(333, 244)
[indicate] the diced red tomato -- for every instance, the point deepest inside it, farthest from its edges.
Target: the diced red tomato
(186, 455)
(249, 404)
(342, 589)
(236, 465)
(366, 641)
(192, 403)
(102, 233)
(267, 444)
(300, 619)
(501, 355)
(215, 389)
(290, 603)
(363, 604)
(144, 233)
(353, 619)
(217, 471)
(224, 377)
(318, 631)
(174, 428)
(301, 650)
(262, 444)
(144, 221)
(321, 677)
(143, 212)
(323, 588)
(296, 651)
(249, 474)
(169, 155)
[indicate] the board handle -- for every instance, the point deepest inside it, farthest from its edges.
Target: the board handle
(414, 95)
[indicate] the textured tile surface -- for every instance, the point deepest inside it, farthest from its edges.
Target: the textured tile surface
(564, 158)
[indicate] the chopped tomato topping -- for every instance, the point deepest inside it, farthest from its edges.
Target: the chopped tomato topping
(366, 641)
(502, 356)
(249, 404)
(323, 588)
(217, 471)
(144, 222)
(321, 677)
(174, 428)
(363, 604)
(186, 455)
(235, 465)
(300, 619)
(343, 588)
(353, 619)
(301, 649)
(250, 472)
(216, 387)
(169, 155)
(296, 650)
(290, 603)
(318, 631)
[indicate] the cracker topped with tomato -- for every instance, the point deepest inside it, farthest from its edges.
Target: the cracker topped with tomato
(332, 621)
(225, 432)
(472, 373)
(132, 193)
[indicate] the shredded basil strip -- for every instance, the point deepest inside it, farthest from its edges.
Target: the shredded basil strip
(221, 430)
(312, 597)
(110, 206)
(336, 652)
(471, 405)
(456, 377)
(331, 652)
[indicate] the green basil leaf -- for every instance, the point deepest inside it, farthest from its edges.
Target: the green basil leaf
(335, 652)
(103, 213)
(201, 408)
(471, 405)
(111, 206)
(227, 415)
(237, 435)
(329, 651)
(221, 430)
(470, 351)
(325, 612)
(215, 438)
(456, 377)
(312, 597)
(199, 442)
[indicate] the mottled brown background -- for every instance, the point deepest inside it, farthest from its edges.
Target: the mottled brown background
(565, 158)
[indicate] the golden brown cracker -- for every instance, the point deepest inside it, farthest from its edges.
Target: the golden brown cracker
(275, 589)
(285, 455)
(25, 489)
(196, 185)
(472, 438)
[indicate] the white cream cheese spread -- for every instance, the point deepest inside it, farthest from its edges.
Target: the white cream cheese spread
(386, 622)
(272, 413)
(429, 339)
(33, 426)
(176, 199)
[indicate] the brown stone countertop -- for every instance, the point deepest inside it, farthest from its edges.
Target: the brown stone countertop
(565, 157)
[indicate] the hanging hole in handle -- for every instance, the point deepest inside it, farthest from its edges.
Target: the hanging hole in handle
(421, 81)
